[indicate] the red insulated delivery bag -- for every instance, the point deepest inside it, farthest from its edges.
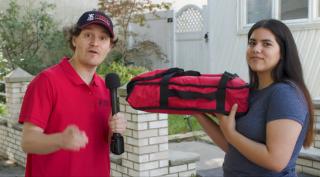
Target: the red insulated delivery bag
(175, 91)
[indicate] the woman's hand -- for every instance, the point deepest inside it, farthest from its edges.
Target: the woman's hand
(228, 123)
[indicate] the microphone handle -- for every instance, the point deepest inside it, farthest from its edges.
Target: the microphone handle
(117, 143)
(114, 101)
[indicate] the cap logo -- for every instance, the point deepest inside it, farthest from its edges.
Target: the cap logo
(90, 17)
(104, 19)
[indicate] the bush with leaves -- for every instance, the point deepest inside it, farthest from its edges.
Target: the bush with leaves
(125, 72)
(3, 110)
(126, 12)
(30, 38)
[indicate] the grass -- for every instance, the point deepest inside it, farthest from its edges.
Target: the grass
(3, 110)
(182, 124)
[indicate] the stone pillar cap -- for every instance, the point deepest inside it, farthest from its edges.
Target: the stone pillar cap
(18, 75)
(122, 91)
(316, 102)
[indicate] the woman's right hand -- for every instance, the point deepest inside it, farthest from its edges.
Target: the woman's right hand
(228, 122)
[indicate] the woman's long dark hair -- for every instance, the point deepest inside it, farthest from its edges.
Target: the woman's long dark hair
(288, 68)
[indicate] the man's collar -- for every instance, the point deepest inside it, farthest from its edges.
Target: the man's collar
(73, 75)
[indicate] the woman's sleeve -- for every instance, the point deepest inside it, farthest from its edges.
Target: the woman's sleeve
(287, 102)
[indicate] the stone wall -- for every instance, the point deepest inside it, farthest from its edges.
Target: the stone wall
(309, 159)
(10, 137)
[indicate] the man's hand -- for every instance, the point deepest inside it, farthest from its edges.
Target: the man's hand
(72, 138)
(118, 123)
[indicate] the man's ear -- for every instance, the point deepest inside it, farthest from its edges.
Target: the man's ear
(74, 42)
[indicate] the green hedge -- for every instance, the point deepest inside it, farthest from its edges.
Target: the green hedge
(125, 72)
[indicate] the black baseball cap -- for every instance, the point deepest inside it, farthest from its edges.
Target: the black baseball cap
(96, 17)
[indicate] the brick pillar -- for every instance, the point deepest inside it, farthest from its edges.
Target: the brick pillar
(146, 142)
(16, 84)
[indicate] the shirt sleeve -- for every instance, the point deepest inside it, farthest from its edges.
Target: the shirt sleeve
(37, 102)
(287, 102)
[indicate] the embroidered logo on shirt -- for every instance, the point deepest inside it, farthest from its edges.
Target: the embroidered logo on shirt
(102, 102)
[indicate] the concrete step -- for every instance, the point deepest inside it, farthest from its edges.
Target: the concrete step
(180, 158)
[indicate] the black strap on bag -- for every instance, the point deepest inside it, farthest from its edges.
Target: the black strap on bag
(219, 95)
(192, 95)
(164, 84)
(131, 84)
(221, 92)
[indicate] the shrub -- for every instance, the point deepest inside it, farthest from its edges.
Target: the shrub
(3, 110)
(30, 38)
(125, 72)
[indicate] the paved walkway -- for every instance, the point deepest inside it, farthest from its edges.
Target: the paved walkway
(10, 169)
(211, 159)
(210, 156)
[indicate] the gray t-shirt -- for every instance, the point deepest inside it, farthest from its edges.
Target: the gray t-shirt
(278, 101)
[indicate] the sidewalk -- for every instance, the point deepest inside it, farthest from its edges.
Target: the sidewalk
(10, 169)
(211, 159)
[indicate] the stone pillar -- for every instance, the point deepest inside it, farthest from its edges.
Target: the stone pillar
(16, 84)
(146, 142)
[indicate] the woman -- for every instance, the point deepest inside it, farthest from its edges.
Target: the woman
(267, 140)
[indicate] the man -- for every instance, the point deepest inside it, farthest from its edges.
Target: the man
(66, 110)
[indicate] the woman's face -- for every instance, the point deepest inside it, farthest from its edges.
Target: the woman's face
(263, 52)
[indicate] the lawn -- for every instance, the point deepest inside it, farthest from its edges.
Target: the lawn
(182, 124)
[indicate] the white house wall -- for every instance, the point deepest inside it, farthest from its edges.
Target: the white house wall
(308, 43)
(227, 47)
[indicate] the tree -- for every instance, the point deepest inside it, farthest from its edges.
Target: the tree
(29, 37)
(125, 12)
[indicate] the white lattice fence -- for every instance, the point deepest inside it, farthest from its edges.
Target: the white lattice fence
(189, 19)
(191, 47)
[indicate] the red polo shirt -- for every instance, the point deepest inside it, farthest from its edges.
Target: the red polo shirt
(56, 98)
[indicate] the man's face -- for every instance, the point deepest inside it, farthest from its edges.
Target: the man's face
(92, 45)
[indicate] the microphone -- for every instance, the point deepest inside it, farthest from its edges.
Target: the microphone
(112, 82)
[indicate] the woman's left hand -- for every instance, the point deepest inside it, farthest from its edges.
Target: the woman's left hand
(228, 122)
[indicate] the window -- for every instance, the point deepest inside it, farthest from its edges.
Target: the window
(293, 9)
(297, 13)
(258, 10)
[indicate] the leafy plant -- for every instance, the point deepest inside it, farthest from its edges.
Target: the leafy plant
(3, 66)
(125, 72)
(125, 12)
(181, 124)
(30, 37)
(3, 110)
